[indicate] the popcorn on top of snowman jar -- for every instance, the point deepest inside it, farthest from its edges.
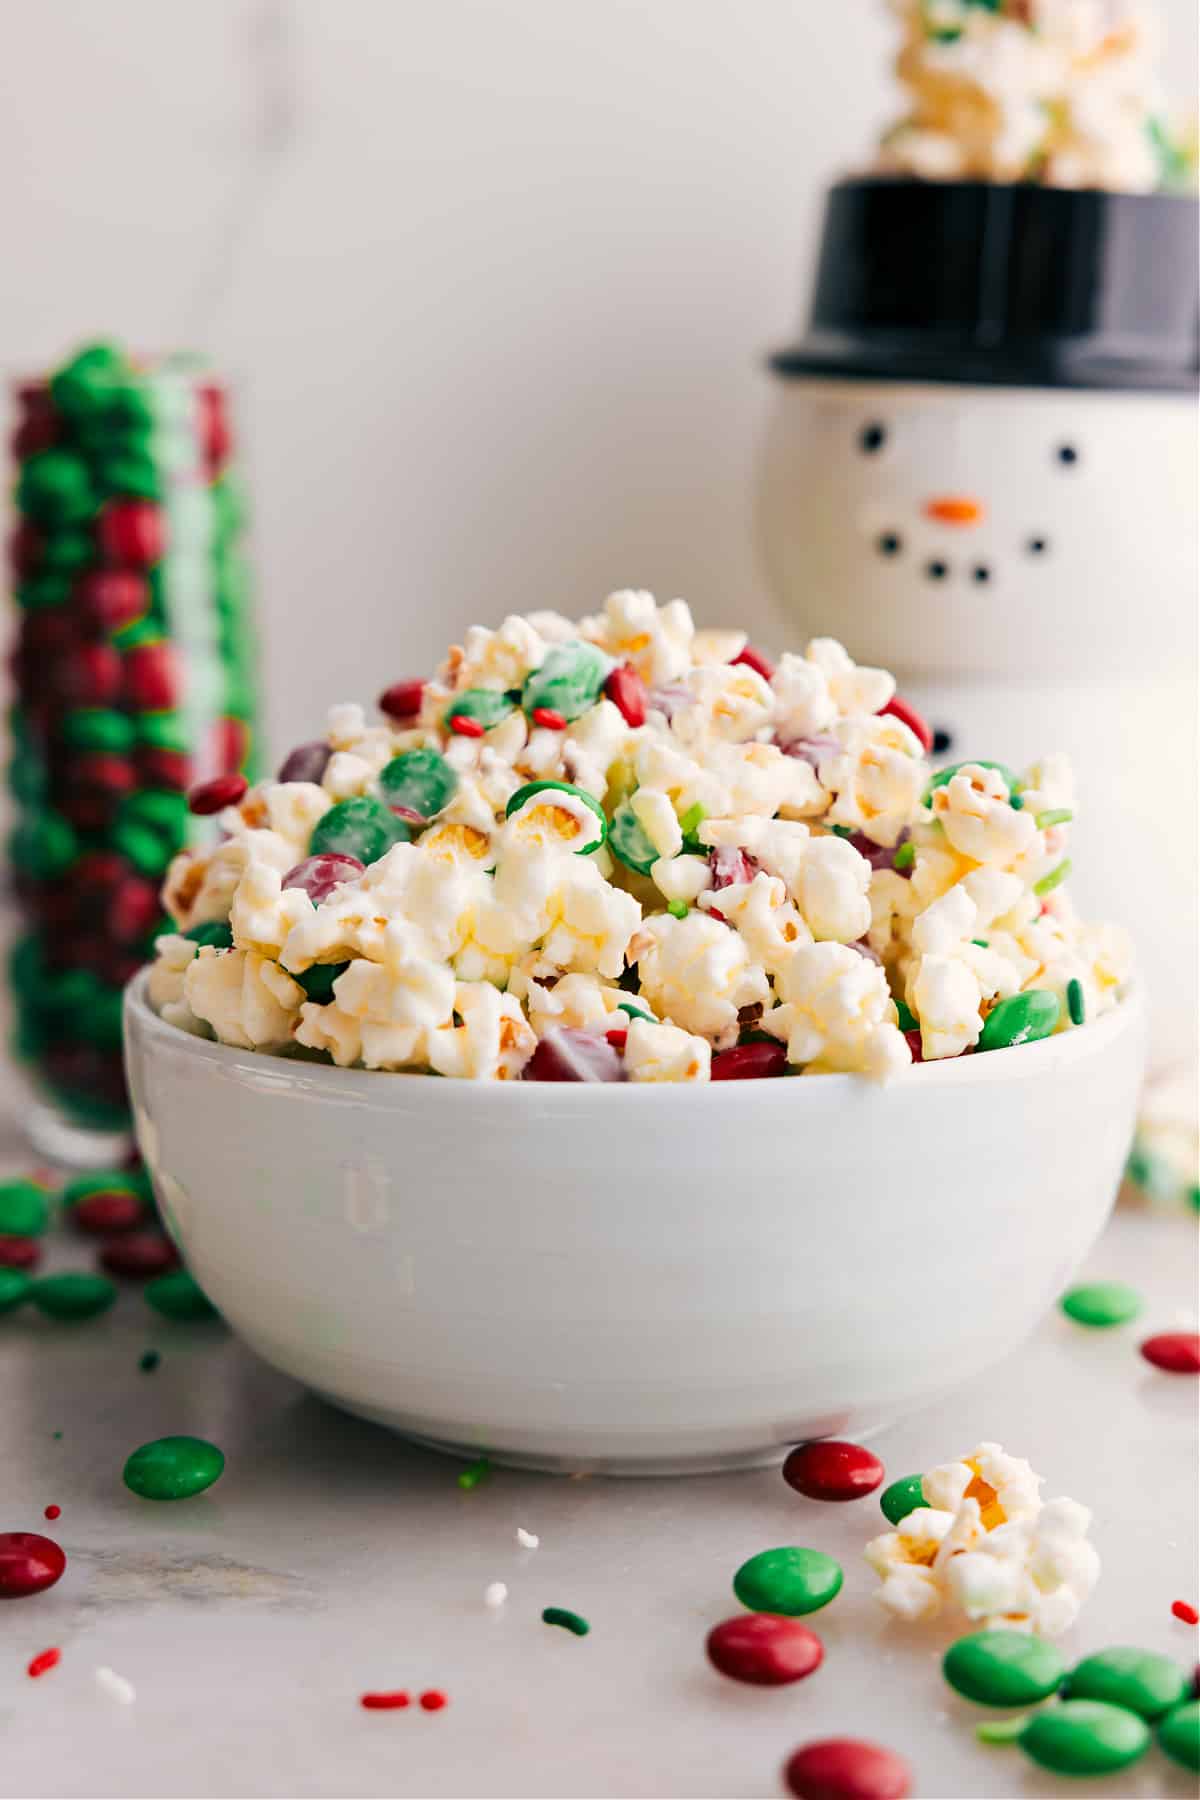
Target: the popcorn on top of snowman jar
(630, 849)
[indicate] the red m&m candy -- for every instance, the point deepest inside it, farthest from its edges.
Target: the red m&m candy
(1177, 1352)
(749, 1062)
(131, 532)
(627, 691)
(908, 715)
(152, 678)
(764, 1649)
(402, 700)
(29, 1562)
(107, 599)
(828, 1470)
(754, 659)
(213, 796)
(846, 1769)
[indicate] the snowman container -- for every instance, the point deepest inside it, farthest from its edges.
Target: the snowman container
(981, 472)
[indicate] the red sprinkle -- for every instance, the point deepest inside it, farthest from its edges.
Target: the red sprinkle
(52, 1511)
(908, 715)
(465, 727)
(433, 1700)
(913, 1040)
(1178, 1352)
(829, 1470)
(28, 1563)
(749, 1062)
(617, 1036)
(754, 659)
(384, 1702)
(1183, 1609)
(212, 796)
(847, 1769)
(402, 700)
(764, 1650)
(546, 715)
(45, 1659)
(627, 691)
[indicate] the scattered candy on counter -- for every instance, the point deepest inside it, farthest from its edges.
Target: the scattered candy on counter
(763, 1649)
(1003, 1668)
(1183, 1609)
(828, 1470)
(433, 1700)
(134, 669)
(1177, 1352)
(528, 1540)
(1179, 1735)
(44, 1660)
(1139, 1680)
(115, 1686)
(1085, 1737)
(476, 1472)
(901, 1498)
(986, 1544)
(631, 849)
(847, 1769)
(1102, 1303)
(52, 1512)
(791, 1580)
(173, 1468)
(384, 1702)
(495, 1594)
(29, 1563)
(1164, 1165)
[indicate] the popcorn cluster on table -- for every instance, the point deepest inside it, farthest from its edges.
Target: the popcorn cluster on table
(1057, 91)
(635, 837)
(986, 1545)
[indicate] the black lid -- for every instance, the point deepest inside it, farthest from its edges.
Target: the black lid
(1020, 286)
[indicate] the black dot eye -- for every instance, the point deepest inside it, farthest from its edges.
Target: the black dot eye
(1067, 454)
(981, 572)
(872, 437)
(942, 741)
(936, 571)
(1037, 546)
(888, 544)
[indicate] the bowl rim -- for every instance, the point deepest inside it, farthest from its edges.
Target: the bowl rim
(1018, 1062)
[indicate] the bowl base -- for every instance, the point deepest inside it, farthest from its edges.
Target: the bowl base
(543, 1462)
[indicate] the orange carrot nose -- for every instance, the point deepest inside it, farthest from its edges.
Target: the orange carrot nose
(954, 509)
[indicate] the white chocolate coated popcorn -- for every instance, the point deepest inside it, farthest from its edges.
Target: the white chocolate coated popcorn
(987, 1546)
(642, 833)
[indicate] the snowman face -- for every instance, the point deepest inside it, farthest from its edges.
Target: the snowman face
(984, 530)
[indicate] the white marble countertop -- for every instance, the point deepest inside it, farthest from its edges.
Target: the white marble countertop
(332, 1559)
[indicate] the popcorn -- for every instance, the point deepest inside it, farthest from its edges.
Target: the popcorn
(987, 1545)
(1041, 90)
(784, 863)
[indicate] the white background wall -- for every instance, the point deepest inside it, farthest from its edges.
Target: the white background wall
(498, 275)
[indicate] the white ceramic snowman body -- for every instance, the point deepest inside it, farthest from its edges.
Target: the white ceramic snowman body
(1024, 559)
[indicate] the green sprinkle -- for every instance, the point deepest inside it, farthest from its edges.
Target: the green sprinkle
(842, 831)
(570, 1621)
(906, 1019)
(1101, 1303)
(1075, 1002)
(474, 1474)
(980, 943)
(905, 857)
(1054, 815)
(1002, 1731)
(148, 1361)
(692, 819)
(678, 909)
(1049, 882)
(635, 1012)
(1016, 802)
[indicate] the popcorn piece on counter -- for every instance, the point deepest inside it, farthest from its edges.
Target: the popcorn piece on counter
(986, 1545)
(642, 839)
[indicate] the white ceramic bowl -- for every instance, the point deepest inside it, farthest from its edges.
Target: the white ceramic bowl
(633, 1279)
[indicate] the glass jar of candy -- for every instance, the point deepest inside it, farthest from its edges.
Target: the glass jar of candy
(134, 673)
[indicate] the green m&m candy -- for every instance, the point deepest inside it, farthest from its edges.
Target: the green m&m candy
(45, 846)
(98, 728)
(215, 935)
(1179, 1735)
(1003, 1668)
(178, 1295)
(67, 549)
(1021, 1019)
(141, 845)
(569, 681)
(55, 488)
(1139, 1680)
(14, 1288)
(173, 1468)
(24, 1211)
(790, 1580)
(364, 828)
(421, 781)
(74, 1295)
(628, 841)
(318, 981)
(1085, 1737)
(485, 706)
(901, 1498)
(1101, 1303)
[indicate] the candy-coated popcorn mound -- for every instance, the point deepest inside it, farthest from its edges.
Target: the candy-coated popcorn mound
(1061, 92)
(985, 1545)
(628, 849)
